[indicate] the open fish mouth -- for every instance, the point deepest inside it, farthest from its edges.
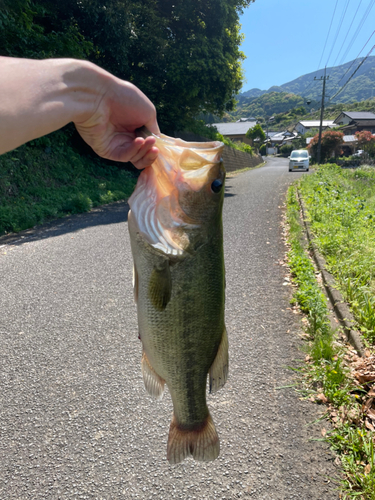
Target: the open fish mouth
(156, 202)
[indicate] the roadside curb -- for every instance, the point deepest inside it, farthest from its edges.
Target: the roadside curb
(340, 307)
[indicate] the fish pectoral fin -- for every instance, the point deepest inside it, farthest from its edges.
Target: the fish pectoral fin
(154, 384)
(160, 286)
(200, 442)
(219, 368)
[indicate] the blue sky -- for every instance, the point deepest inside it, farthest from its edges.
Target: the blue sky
(284, 39)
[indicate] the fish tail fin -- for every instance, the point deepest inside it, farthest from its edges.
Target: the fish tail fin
(201, 442)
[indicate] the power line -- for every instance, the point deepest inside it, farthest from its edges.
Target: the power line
(324, 48)
(347, 33)
(338, 30)
(372, 34)
(361, 22)
(360, 64)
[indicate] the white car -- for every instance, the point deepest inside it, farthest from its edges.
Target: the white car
(299, 160)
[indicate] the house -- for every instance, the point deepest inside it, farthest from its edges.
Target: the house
(356, 121)
(349, 144)
(276, 139)
(303, 126)
(236, 131)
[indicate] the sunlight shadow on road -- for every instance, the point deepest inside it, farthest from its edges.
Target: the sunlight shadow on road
(115, 213)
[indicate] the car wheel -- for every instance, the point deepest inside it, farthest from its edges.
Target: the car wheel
(307, 170)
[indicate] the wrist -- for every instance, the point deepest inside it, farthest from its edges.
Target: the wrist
(81, 88)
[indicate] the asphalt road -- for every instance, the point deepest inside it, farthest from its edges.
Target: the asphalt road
(75, 420)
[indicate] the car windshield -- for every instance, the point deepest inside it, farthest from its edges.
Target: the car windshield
(299, 154)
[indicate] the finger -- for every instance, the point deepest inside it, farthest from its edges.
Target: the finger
(146, 160)
(147, 145)
(153, 127)
(122, 148)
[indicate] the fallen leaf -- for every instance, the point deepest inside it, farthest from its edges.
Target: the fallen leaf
(321, 397)
(369, 426)
(323, 431)
(367, 353)
(368, 469)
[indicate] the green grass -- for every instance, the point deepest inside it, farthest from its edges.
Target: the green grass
(341, 208)
(327, 373)
(48, 178)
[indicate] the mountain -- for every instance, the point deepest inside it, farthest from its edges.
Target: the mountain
(360, 87)
(269, 104)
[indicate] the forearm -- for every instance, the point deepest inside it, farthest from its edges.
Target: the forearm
(38, 97)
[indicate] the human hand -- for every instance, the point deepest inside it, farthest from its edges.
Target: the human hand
(110, 131)
(41, 96)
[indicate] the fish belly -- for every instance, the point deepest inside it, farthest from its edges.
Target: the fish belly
(181, 341)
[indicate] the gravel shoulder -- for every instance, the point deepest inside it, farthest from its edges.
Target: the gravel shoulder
(76, 422)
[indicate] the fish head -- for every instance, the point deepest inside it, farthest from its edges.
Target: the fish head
(178, 200)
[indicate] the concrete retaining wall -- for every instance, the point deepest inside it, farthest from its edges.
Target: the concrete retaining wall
(232, 158)
(237, 160)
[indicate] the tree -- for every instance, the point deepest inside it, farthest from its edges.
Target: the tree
(256, 132)
(366, 141)
(330, 144)
(183, 54)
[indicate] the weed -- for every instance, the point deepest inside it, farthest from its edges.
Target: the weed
(47, 178)
(326, 371)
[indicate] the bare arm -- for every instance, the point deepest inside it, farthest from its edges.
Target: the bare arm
(38, 97)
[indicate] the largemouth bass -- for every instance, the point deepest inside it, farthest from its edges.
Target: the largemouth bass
(176, 234)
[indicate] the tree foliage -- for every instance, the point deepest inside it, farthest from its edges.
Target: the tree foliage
(256, 132)
(184, 54)
(331, 142)
(366, 141)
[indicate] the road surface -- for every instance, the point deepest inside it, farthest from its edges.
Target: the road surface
(75, 420)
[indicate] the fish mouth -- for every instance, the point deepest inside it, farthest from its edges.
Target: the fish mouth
(154, 203)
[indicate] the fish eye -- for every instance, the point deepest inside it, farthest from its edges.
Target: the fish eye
(216, 186)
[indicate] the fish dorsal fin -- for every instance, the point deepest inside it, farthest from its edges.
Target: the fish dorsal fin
(160, 286)
(219, 368)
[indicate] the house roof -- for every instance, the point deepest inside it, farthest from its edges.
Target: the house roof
(362, 123)
(357, 115)
(316, 123)
(282, 136)
(346, 138)
(237, 128)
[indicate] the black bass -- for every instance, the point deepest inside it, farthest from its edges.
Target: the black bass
(176, 234)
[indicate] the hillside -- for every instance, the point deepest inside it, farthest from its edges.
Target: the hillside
(269, 104)
(361, 87)
(282, 121)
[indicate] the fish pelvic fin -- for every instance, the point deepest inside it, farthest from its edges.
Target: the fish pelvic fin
(201, 442)
(154, 384)
(219, 368)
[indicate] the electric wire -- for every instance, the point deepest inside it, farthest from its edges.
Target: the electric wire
(338, 30)
(347, 33)
(329, 31)
(347, 71)
(351, 76)
(357, 31)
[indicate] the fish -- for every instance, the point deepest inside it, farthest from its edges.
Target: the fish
(176, 235)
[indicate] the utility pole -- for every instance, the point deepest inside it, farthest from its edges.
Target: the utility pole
(324, 78)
